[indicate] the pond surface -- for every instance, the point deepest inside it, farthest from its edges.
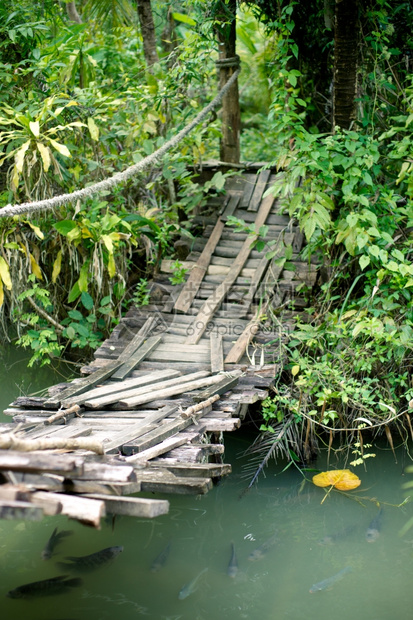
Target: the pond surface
(286, 542)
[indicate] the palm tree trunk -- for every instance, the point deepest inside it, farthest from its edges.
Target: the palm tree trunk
(346, 41)
(72, 13)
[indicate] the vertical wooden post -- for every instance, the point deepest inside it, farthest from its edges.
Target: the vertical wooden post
(148, 31)
(346, 44)
(227, 64)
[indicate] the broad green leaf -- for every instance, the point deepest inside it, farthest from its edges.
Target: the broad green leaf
(35, 268)
(87, 301)
(5, 274)
(45, 154)
(364, 261)
(57, 265)
(83, 277)
(65, 226)
(74, 293)
(19, 157)
(35, 128)
(309, 227)
(288, 253)
(184, 19)
(60, 148)
(93, 129)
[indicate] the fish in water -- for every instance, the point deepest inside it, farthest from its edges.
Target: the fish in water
(46, 587)
(337, 536)
(89, 563)
(373, 530)
(259, 553)
(190, 587)
(54, 540)
(232, 569)
(326, 584)
(160, 559)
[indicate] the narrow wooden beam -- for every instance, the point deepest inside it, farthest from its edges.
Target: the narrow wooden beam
(196, 276)
(213, 302)
(143, 351)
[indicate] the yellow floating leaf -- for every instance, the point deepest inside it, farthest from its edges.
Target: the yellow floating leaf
(35, 128)
(45, 153)
(57, 265)
(5, 274)
(93, 129)
(341, 479)
(35, 267)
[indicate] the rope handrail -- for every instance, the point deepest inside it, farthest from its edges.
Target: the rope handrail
(58, 201)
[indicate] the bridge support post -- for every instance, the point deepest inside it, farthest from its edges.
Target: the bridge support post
(227, 64)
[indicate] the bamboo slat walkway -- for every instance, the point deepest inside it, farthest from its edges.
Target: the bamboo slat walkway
(149, 413)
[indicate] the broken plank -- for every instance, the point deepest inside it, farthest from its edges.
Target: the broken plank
(169, 391)
(259, 190)
(35, 462)
(133, 506)
(238, 350)
(163, 481)
(156, 436)
(220, 426)
(147, 379)
(105, 472)
(194, 280)
(132, 432)
(122, 396)
(226, 384)
(166, 445)
(88, 511)
(200, 470)
(213, 302)
(149, 345)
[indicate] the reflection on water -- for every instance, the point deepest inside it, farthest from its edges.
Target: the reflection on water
(301, 542)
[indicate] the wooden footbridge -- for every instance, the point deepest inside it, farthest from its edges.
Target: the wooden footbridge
(149, 413)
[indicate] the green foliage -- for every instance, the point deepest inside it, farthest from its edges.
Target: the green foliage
(141, 294)
(178, 273)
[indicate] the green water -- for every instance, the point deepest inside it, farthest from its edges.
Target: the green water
(200, 531)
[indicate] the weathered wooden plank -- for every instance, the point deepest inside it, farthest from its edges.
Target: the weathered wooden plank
(88, 511)
(239, 348)
(226, 384)
(35, 462)
(156, 436)
(143, 351)
(221, 426)
(132, 432)
(128, 395)
(120, 386)
(250, 180)
(106, 472)
(230, 205)
(10, 509)
(163, 481)
(133, 506)
(167, 392)
(214, 301)
(259, 190)
(164, 446)
(217, 352)
(201, 470)
(195, 277)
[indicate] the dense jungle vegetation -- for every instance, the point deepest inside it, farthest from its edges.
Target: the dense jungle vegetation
(326, 95)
